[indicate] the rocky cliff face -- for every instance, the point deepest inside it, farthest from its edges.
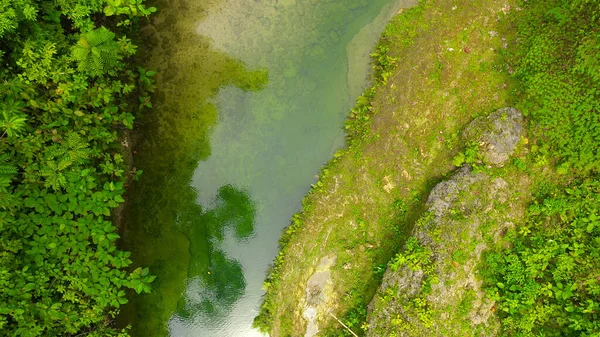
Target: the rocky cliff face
(432, 287)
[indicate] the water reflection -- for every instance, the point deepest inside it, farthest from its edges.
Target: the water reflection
(170, 232)
(215, 282)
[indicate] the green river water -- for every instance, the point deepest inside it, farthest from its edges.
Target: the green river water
(250, 102)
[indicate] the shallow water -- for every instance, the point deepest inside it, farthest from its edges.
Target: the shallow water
(251, 99)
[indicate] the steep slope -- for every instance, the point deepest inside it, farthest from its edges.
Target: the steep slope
(437, 68)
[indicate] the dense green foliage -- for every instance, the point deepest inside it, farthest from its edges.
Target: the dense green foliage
(66, 94)
(547, 283)
(557, 65)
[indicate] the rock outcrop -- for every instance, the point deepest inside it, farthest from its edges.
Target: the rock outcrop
(316, 295)
(432, 288)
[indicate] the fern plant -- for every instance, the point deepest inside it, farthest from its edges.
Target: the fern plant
(65, 89)
(72, 152)
(97, 52)
(11, 123)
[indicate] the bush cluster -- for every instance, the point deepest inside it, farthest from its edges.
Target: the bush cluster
(557, 64)
(547, 283)
(67, 93)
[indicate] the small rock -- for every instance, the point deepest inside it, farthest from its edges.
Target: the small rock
(497, 134)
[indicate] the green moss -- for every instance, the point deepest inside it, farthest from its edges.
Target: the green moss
(466, 303)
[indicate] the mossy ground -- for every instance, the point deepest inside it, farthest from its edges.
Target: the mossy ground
(447, 72)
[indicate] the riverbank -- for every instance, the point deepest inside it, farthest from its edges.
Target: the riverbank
(432, 79)
(513, 250)
(501, 250)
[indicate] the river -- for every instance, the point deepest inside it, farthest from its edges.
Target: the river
(250, 102)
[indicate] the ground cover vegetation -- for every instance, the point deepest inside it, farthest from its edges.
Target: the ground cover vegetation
(68, 92)
(547, 283)
(543, 275)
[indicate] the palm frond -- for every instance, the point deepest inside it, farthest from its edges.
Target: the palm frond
(97, 51)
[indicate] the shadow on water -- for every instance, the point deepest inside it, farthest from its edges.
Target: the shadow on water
(165, 228)
(215, 282)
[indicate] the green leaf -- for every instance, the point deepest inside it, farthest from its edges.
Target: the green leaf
(113, 236)
(109, 10)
